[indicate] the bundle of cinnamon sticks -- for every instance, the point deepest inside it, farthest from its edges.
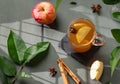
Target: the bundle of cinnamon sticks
(64, 69)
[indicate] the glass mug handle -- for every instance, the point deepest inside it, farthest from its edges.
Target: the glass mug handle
(99, 40)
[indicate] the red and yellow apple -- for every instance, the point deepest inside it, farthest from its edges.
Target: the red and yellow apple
(44, 12)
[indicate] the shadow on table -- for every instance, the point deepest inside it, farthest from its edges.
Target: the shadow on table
(3, 53)
(83, 58)
(64, 18)
(39, 68)
(90, 56)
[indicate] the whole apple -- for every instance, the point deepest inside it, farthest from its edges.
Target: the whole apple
(44, 12)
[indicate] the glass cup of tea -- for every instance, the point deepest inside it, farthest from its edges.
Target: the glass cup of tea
(82, 35)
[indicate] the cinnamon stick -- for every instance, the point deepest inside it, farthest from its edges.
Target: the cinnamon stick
(75, 78)
(63, 73)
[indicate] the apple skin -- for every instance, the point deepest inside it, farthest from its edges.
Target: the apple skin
(44, 12)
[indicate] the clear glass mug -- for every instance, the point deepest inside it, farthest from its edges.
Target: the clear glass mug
(82, 35)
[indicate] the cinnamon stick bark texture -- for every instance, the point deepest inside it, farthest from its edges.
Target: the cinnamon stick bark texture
(63, 73)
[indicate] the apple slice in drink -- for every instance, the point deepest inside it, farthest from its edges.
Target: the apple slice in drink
(82, 33)
(78, 25)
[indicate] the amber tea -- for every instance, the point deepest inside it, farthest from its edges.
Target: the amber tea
(81, 33)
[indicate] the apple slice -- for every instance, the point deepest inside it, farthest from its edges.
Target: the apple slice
(96, 70)
(93, 74)
(82, 33)
(78, 25)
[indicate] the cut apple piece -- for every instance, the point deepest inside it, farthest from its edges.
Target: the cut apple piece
(93, 74)
(82, 33)
(78, 25)
(96, 70)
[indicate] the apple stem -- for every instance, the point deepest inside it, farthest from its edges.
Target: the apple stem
(42, 32)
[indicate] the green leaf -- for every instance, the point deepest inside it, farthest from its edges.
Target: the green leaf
(16, 47)
(115, 59)
(116, 15)
(108, 82)
(3, 78)
(111, 2)
(24, 75)
(116, 34)
(7, 66)
(58, 2)
(34, 50)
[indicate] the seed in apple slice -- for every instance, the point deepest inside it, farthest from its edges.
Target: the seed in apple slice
(82, 33)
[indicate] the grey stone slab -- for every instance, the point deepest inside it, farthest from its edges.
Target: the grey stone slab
(55, 45)
(16, 15)
(3, 40)
(53, 34)
(29, 38)
(4, 31)
(31, 29)
(15, 10)
(62, 55)
(30, 21)
(3, 50)
(12, 25)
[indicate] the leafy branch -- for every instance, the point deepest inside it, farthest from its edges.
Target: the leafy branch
(115, 55)
(20, 55)
(58, 2)
(111, 2)
(115, 14)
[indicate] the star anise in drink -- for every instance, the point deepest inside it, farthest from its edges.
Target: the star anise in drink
(73, 30)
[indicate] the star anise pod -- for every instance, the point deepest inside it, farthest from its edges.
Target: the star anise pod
(52, 71)
(96, 8)
(73, 30)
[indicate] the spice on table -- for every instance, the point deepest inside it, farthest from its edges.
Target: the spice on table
(52, 71)
(73, 3)
(96, 8)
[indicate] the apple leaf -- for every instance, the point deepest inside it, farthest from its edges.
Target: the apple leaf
(34, 50)
(7, 66)
(116, 15)
(58, 2)
(111, 2)
(116, 34)
(115, 59)
(3, 78)
(16, 47)
(108, 82)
